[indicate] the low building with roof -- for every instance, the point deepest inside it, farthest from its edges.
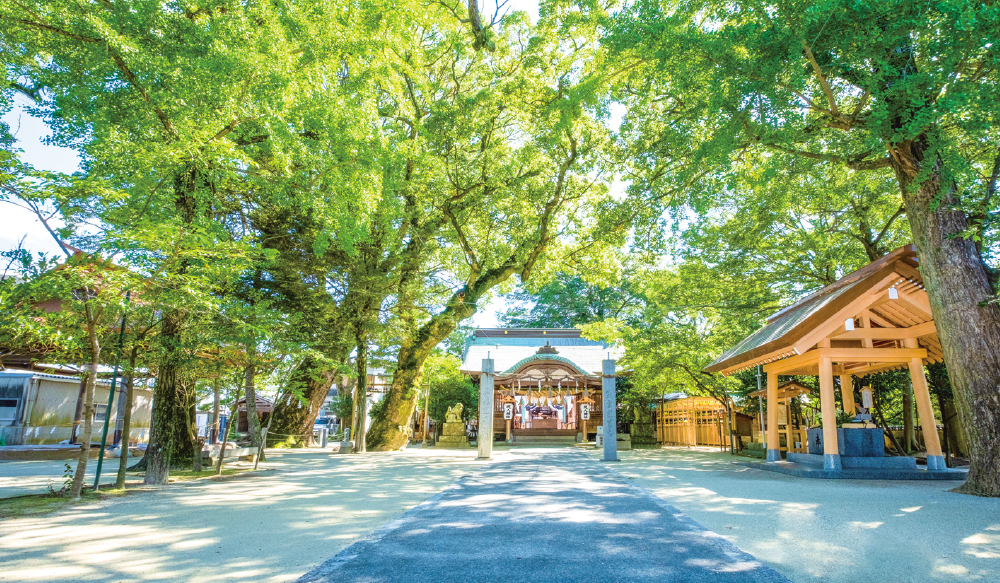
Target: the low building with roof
(549, 377)
(39, 408)
(875, 319)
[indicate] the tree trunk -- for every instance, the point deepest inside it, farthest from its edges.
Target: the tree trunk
(169, 437)
(253, 421)
(234, 417)
(88, 428)
(957, 284)
(74, 436)
(296, 417)
(361, 397)
(213, 433)
(909, 437)
(88, 410)
(127, 417)
(388, 430)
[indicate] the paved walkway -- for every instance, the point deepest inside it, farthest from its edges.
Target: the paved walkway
(830, 531)
(272, 527)
(543, 515)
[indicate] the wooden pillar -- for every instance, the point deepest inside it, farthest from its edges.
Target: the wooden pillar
(828, 409)
(935, 457)
(773, 444)
(847, 394)
(485, 438)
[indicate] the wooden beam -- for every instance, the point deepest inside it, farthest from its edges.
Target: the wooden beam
(916, 303)
(810, 357)
(881, 321)
(902, 355)
(888, 333)
(849, 311)
(842, 355)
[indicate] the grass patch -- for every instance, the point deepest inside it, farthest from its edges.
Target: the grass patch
(39, 504)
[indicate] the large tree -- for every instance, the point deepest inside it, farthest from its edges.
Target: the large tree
(509, 157)
(884, 85)
(187, 117)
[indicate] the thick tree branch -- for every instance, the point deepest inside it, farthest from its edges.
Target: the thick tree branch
(822, 80)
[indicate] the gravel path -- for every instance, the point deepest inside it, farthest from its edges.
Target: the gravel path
(270, 527)
(543, 515)
(830, 531)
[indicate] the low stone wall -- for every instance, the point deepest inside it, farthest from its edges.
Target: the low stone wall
(907, 463)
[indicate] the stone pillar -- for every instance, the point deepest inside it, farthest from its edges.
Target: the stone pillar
(935, 457)
(773, 444)
(828, 409)
(486, 411)
(610, 411)
(847, 394)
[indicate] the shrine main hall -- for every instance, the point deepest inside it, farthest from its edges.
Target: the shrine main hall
(549, 379)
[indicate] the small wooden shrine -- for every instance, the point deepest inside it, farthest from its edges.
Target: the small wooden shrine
(877, 318)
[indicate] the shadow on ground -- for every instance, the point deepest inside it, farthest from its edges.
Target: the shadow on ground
(543, 515)
(272, 527)
(830, 530)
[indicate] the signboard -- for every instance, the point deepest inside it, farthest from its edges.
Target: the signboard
(584, 411)
(508, 410)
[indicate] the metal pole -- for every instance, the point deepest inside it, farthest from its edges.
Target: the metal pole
(111, 395)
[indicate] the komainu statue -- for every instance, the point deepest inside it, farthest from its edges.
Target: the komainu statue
(454, 414)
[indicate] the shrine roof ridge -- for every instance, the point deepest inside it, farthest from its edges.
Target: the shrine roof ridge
(786, 326)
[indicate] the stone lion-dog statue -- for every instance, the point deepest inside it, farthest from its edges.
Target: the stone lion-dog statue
(454, 414)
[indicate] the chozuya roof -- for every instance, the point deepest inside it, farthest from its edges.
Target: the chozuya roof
(514, 348)
(823, 315)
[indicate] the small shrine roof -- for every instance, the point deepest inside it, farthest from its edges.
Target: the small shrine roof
(821, 315)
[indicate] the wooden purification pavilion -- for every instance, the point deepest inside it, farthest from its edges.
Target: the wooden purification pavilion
(877, 318)
(551, 378)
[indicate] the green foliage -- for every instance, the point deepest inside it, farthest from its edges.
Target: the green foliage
(450, 392)
(342, 406)
(690, 316)
(449, 386)
(569, 301)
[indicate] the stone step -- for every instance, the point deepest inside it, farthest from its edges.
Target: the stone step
(548, 439)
